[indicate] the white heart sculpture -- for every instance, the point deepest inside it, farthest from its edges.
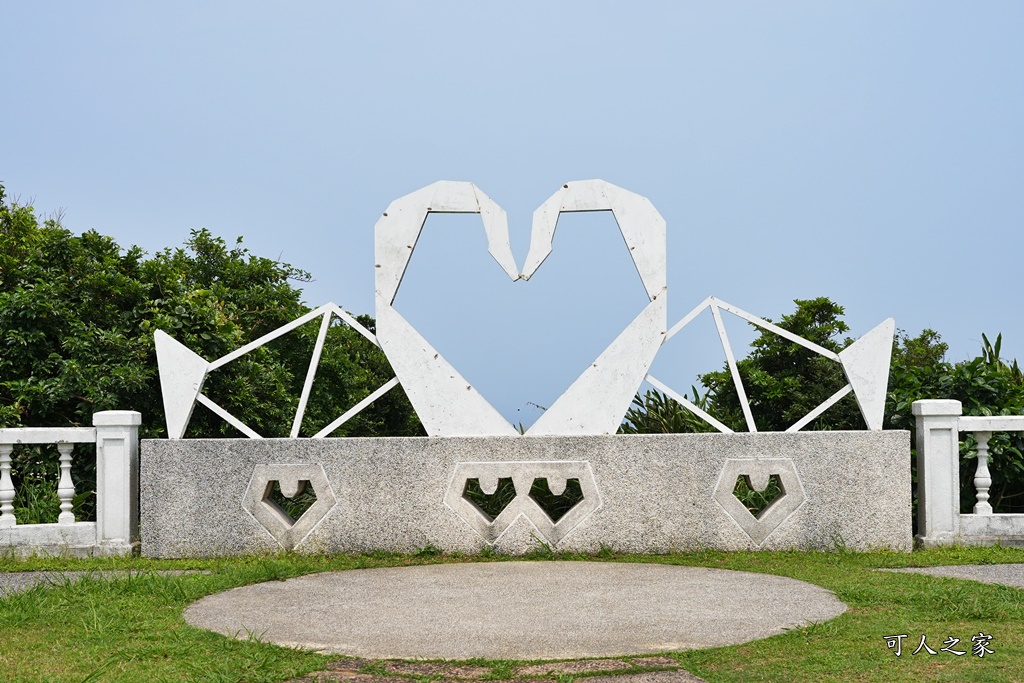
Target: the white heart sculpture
(445, 402)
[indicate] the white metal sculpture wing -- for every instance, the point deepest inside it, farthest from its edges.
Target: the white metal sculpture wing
(182, 373)
(865, 364)
(445, 402)
(600, 396)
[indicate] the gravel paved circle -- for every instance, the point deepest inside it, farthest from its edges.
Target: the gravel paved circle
(520, 610)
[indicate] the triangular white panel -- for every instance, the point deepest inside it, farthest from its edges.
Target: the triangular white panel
(445, 402)
(866, 364)
(496, 227)
(597, 400)
(182, 373)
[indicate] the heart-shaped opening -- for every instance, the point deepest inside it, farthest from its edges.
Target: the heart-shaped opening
(490, 505)
(556, 506)
(521, 344)
(292, 503)
(757, 499)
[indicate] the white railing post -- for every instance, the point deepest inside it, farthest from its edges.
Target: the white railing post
(7, 492)
(117, 480)
(938, 470)
(65, 487)
(982, 477)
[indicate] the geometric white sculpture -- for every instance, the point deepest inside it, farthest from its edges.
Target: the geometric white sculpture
(182, 373)
(595, 403)
(445, 402)
(600, 396)
(865, 364)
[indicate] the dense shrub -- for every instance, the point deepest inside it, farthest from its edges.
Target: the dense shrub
(77, 317)
(784, 381)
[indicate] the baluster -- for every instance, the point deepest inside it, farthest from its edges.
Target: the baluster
(7, 518)
(982, 478)
(65, 487)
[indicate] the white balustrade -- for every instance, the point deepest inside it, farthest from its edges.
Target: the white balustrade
(982, 478)
(115, 531)
(7, 492)
(940, 522)
(65, 487)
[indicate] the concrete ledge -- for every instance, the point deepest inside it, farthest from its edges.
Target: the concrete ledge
(1004, 529)
(75, 540)
(651, 493)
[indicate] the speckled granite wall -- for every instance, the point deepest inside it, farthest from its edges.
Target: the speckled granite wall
(651, 493)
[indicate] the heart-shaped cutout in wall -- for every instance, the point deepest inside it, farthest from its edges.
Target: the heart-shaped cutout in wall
(291, 480)
(757, 474)
(292, 499)
(445, 402)
(758, 493)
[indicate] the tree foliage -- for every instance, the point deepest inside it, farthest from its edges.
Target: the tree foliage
(784, 381)
(984, 385)
(78, 314)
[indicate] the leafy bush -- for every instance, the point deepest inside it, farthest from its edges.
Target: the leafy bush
(656, 413)
(77, 318)
(784, 381)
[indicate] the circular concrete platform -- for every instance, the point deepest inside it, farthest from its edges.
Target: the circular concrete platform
(516, 610)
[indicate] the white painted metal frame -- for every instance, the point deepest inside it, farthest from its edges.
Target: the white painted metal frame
(445, 402)
(865, 364)
(598, 399)
(183, 372)
(595, 403)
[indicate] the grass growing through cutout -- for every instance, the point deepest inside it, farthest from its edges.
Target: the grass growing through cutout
(130, 628)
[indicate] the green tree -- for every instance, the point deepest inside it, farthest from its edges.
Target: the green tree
(984, 385)
(78, 314)
(784, 381)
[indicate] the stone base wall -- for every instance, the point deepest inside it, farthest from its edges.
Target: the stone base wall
(651, 493)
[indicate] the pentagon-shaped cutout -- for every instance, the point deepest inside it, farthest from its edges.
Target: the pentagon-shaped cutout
(293, 480)
(758, 472)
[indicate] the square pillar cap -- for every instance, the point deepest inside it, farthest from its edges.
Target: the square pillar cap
(117, 418)
(937, 407)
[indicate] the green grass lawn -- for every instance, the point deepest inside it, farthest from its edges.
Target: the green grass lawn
(130, 628)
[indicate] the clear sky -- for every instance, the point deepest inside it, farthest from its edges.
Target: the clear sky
(871, 152)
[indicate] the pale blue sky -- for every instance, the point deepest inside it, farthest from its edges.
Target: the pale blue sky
(872, 152)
